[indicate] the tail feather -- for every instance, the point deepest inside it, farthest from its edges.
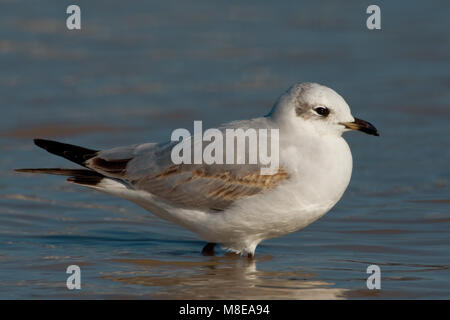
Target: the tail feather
(88, 181)
(86, 177)
(79, 176)
(71, 152)
(62, 172)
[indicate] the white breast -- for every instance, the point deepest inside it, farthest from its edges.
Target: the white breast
(318, 176)
(315, 185)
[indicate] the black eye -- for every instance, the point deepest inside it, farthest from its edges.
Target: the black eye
(323, 111)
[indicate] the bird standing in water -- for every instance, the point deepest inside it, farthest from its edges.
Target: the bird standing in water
(234, 205)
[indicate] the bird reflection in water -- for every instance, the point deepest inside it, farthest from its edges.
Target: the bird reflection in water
(224, 277)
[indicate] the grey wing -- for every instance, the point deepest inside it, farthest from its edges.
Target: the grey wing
(149, 167)
(212, 187)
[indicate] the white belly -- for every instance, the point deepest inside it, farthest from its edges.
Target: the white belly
(314, 186)
(310, 192)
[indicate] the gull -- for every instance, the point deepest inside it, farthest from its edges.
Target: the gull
(234, 205)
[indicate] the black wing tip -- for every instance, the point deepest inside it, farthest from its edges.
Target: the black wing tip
(40, 142)
(45, 143)
(71, 152)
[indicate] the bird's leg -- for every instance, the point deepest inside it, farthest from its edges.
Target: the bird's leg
(251, 256)
(208, 250)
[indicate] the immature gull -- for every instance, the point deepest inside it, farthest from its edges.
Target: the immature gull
(234, 205)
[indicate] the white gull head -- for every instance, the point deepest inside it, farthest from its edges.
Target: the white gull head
(316, 109)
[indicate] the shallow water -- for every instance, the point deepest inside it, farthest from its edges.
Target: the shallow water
(139, 69)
